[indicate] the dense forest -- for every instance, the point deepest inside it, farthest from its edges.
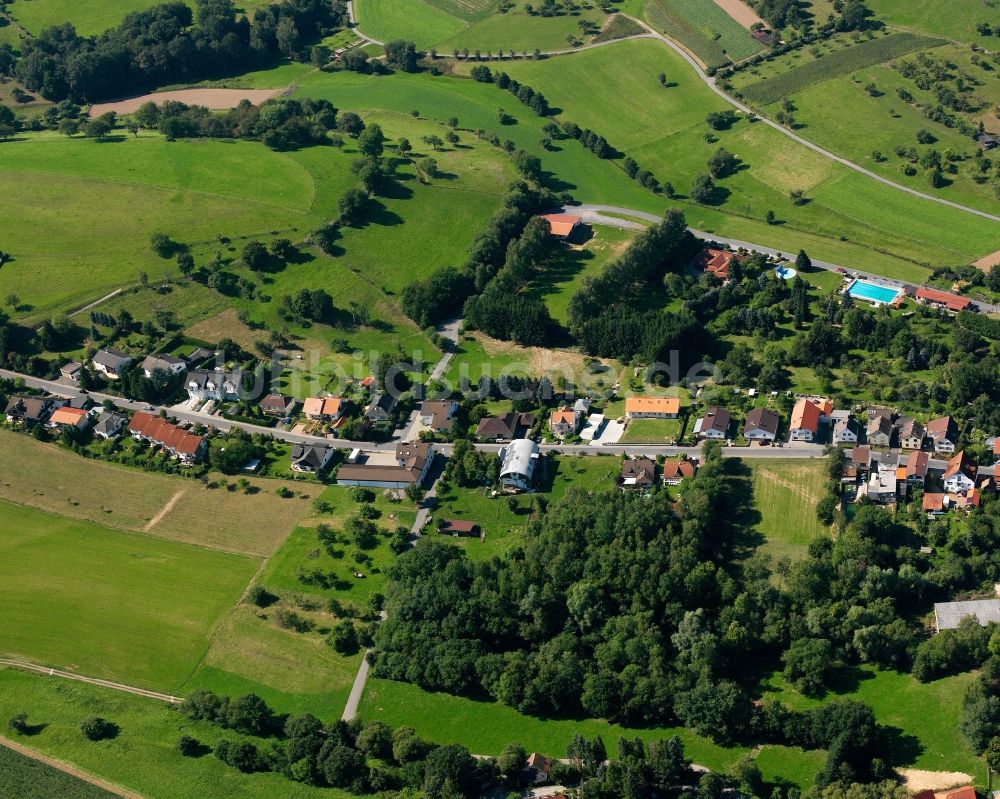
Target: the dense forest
(168, 44)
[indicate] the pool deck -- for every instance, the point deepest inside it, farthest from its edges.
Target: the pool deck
(895, 302)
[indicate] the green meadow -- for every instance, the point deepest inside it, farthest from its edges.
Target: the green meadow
(143, 757)
(785, 493)
(116, 605)
(956, 19)
(614, 90)
(703, 27)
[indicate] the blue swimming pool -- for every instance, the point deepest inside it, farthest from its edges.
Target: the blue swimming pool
(873, 292)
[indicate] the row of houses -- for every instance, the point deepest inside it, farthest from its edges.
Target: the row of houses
(113, 364)
(885, 429)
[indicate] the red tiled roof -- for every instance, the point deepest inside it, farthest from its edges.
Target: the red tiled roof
(952, 302)
(164, 433)
(805, 415)
(968, 792)
(916, 464)
(675, 469)
(69, 416)
(459, 526)
(561, 224)
(933, 502)
(716, 262)
(667, 405)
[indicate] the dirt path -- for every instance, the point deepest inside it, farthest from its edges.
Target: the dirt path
(798, 490)
(163, 511)
(72, 770)
(741, 12)
(917, 780)
(68, 675)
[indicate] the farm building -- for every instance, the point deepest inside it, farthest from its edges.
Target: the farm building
(948, 615)
(407, 466)
(562, 226)
(518, 461)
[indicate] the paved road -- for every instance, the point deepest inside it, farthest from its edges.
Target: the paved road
(599, 214)
(69, 675)
(710, 82)
(354, 24)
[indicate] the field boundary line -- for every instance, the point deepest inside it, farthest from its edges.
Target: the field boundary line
(164, 510)
(69, 768)
(68, 675)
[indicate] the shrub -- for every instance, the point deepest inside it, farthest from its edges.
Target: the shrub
(95, 728)
(188, 746)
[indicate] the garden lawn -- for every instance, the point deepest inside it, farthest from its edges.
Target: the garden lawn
(653, 431)
(925, 715)
(143, 757)
(56, 480)
(121, 606)
(704, 28)
(614, 91)
(486, 727)
(24, 778)
(785, 495)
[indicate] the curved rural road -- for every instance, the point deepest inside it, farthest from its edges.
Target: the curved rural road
(710, 82)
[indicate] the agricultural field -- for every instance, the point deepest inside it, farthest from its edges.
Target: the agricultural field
(785, 494)
(52, 479)
(955, 19)
(143, 756)
(141, 612)
(448, 25)
(797, 71)
(614, 90)
(704, 28)
(87, 17)
(25, 778)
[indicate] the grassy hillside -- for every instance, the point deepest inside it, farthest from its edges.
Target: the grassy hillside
(140, 612)
(956, 19)
(704, 28)
(614, 90)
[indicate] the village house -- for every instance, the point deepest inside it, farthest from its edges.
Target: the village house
(278, 405)
(861, 459)
(438, 414)
(407, 466)
(882, 482)
(652, 407)
(311, 458)
(717, 263)
(942, 299)
(934, 504)
(109, 424)
(111, 363)
(518, 461)
(379, 411)
(911, 433)
(218, 386)
(948, 615)
(323, 409)
(637, 474)
(75, 418)
(70, 372)
(761, 425)
(457, 528)
(674, 471)
(714, 424)
(807, 416)
(198, 356)
(504, 428)
(878, 432)
(538, 769)
(959, 474)
(846, 428)
(564, 422)
(186, 447)
(163, 363)
(562, 226)
(916, 468)
(943, 433)
(29, 410)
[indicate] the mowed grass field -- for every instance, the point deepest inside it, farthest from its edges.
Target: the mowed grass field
(704, 28)
(956, 19)
(122, 606)
(87, 16)
(56, 480)
(785, 493)
(24, 778)
(143, 757)
(614, 90)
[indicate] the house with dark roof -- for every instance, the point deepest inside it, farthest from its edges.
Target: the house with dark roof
(986, 141)
(311, 458)
(278, 405)
(861, 459)
(846, 428)
(70, 372)
(714, 424)
(379, 411)
(109, 424)
(29, 410)
(457, 527)
(409, 466)
(111, 363)
(637, 474)
(911, 432)
(943, 433)
(504, 428)
(761, 424)
(438, 414)
(163, 363)
(879, 431)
